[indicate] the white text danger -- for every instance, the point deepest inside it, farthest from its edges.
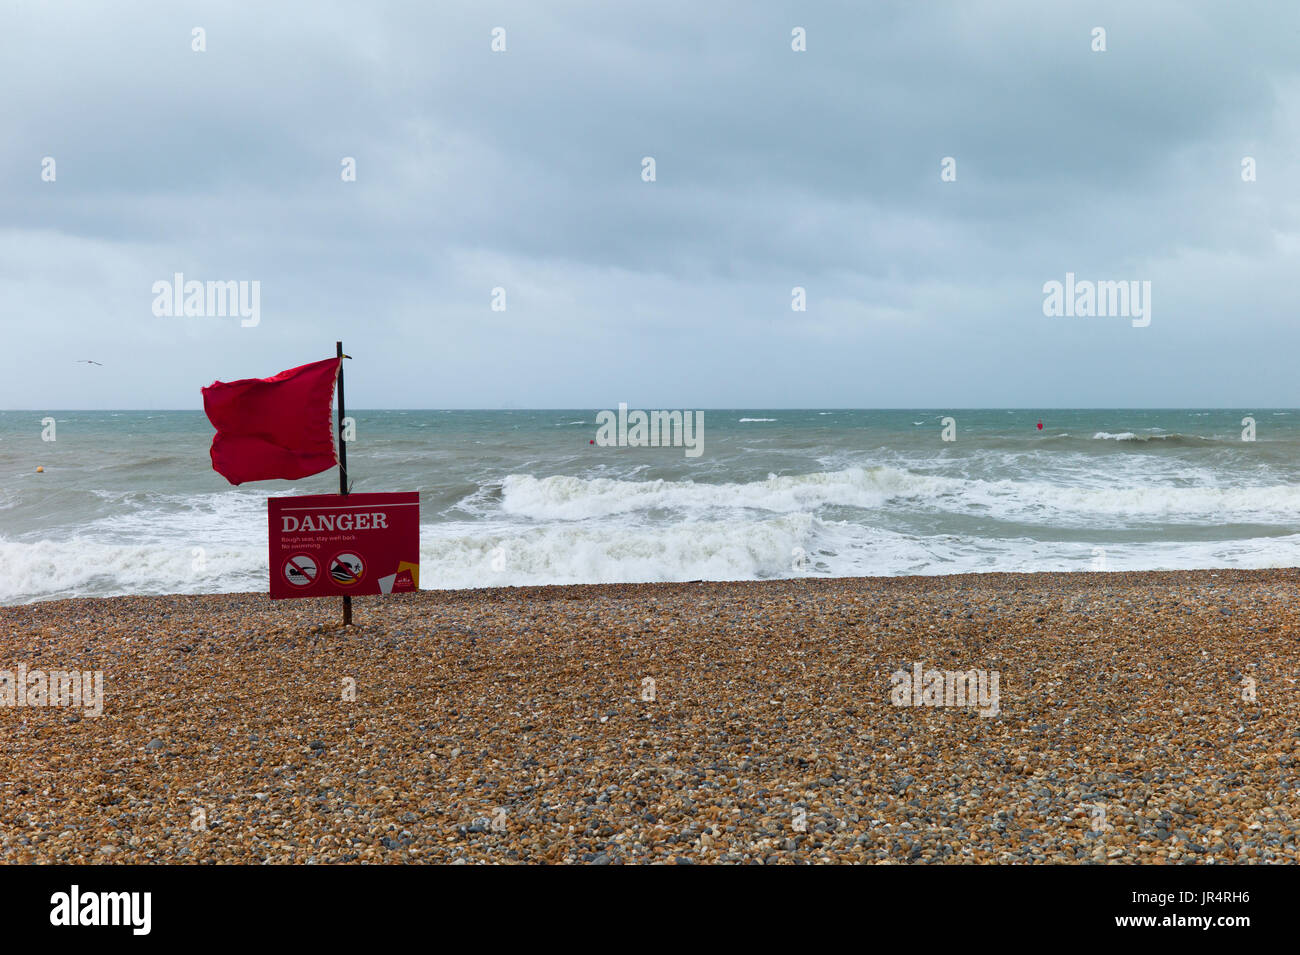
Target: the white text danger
(377, 520)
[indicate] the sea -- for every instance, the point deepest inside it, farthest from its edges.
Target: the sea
(128, 502)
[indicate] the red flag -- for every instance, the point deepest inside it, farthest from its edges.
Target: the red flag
(277, 427)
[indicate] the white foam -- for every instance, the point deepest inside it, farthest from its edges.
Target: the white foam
(464, 555)
(563, 497)
(566, 498)
(81, 567)
(568, 529)
(454, 558)
(202, 543)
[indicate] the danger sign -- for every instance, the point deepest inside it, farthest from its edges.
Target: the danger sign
(323, 545)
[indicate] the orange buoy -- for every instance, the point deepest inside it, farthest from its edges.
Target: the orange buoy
(39, 469)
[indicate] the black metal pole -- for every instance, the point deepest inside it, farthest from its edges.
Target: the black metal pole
(343, 471)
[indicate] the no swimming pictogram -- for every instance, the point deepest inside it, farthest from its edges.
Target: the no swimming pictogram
(301, 570)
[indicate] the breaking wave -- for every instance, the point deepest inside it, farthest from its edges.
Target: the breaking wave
(565, 498)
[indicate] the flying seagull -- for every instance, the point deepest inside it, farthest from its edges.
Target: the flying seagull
(87, 361)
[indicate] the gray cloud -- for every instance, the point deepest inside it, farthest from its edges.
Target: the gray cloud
(775, 169)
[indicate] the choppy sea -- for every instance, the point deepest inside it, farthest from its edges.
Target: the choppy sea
(128, 502)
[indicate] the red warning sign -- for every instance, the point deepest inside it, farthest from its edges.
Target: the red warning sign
(327, 544)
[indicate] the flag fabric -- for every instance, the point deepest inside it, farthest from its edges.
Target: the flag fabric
(277, 427)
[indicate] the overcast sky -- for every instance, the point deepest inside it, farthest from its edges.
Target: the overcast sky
(774, 168)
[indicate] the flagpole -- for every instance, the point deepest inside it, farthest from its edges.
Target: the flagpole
(343, 470)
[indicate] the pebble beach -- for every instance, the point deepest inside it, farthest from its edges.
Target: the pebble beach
(1148, 717)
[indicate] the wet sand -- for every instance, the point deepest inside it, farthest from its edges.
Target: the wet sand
(516, 725)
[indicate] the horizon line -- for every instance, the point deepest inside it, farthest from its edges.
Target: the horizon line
(1036, 408)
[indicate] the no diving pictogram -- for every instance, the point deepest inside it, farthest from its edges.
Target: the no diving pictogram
(301, 570)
